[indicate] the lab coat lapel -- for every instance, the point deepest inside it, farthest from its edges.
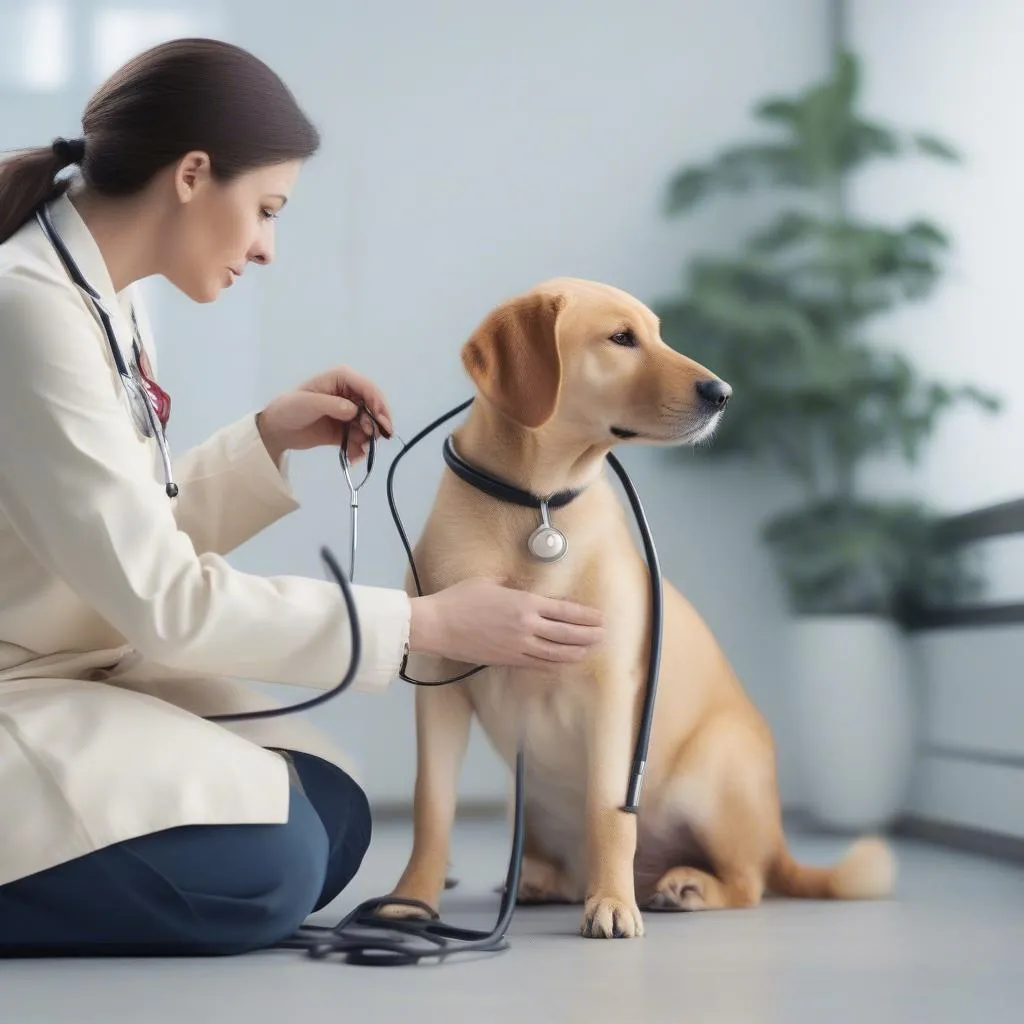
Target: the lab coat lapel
(86, 253)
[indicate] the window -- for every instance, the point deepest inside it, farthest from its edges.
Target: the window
(121, 32)
(47, 46)
(35, 45)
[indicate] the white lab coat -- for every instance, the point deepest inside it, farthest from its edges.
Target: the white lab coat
(121, 622)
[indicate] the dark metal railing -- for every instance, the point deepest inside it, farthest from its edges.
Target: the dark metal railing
(1003, 520)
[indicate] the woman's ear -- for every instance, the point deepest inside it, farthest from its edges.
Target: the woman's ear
(189, 173)
(514, 360)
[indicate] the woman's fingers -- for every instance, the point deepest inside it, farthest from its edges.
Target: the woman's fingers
(570, 611)
(342, 382)
(357, 426)
(357, 448)
(563, 632)
(336, 406)
(546, 653)
(568, 633)
(356, 385)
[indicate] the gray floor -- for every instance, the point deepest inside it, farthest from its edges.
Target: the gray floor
(949, 948)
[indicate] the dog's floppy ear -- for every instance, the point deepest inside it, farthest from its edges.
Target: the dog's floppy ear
(514, 360)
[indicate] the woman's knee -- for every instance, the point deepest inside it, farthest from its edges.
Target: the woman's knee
(296, 859)
(344, 809)
(259, 884)
(203, 889)
(283, 873)
(194, 890)
(349, 850)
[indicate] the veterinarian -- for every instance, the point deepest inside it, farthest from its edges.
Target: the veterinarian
(128, 823)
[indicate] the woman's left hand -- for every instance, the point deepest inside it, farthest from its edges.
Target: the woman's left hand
(315, 413)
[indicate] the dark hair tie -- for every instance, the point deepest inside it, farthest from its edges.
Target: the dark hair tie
(69, 151)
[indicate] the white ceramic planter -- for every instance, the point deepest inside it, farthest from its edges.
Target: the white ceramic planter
(854, 713)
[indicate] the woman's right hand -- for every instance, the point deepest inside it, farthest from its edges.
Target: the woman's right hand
(481, 622)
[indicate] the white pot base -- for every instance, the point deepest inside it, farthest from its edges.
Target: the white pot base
(851, 689)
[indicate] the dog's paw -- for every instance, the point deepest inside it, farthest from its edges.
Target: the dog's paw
(679, 889)
(541, 882)
(608, 917)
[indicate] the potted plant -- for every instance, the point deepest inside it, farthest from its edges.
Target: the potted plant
(786, 321)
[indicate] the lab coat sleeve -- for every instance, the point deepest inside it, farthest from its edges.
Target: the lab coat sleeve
(230, 488)
(78, 484)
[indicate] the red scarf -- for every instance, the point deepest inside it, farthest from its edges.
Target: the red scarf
(160, 399)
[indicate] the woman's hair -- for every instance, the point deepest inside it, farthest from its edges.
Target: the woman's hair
(180, 96)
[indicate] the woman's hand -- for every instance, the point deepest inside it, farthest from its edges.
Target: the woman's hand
(315, 413)
(482, 622)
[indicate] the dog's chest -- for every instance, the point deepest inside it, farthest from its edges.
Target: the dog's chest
(548, 716)
(545, 712)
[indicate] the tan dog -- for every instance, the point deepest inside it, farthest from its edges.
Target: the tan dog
(563, 373)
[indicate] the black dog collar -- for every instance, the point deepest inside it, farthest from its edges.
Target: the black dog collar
(500, 489)
(546, 543)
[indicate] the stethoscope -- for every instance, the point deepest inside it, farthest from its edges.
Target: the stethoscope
(140, 404)
(363, 937)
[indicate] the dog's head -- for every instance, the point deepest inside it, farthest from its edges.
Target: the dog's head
(590, 358)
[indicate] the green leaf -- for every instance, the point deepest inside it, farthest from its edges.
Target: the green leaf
(984, 400)
(789, 228)
(926, 233)
(847, 80)
(932, 146)
(687, 189)
(871, 139)
(744, 167)
(736, 170)
(781, 110)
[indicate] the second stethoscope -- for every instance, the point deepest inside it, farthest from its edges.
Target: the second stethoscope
(140, 401)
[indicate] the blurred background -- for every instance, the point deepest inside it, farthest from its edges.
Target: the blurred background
(822, 200)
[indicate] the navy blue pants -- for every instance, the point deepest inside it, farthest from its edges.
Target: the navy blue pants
(197, 890)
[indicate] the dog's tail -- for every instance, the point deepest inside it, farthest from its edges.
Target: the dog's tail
(866, 872)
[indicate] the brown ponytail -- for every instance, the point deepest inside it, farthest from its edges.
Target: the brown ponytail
(178, 97)
(27, 180)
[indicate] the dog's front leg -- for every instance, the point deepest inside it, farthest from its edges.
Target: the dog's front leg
(443, 717)
(610, 910)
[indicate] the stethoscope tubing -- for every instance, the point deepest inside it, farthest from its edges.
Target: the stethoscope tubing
(133, 389)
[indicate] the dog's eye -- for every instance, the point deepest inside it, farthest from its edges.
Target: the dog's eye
(626, 338)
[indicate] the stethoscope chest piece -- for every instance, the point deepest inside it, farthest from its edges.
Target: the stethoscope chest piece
(546, 543)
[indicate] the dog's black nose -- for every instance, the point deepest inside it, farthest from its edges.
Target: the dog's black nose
(714, 393)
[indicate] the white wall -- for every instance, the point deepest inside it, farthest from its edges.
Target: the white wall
(955, 69)
(472, 149)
